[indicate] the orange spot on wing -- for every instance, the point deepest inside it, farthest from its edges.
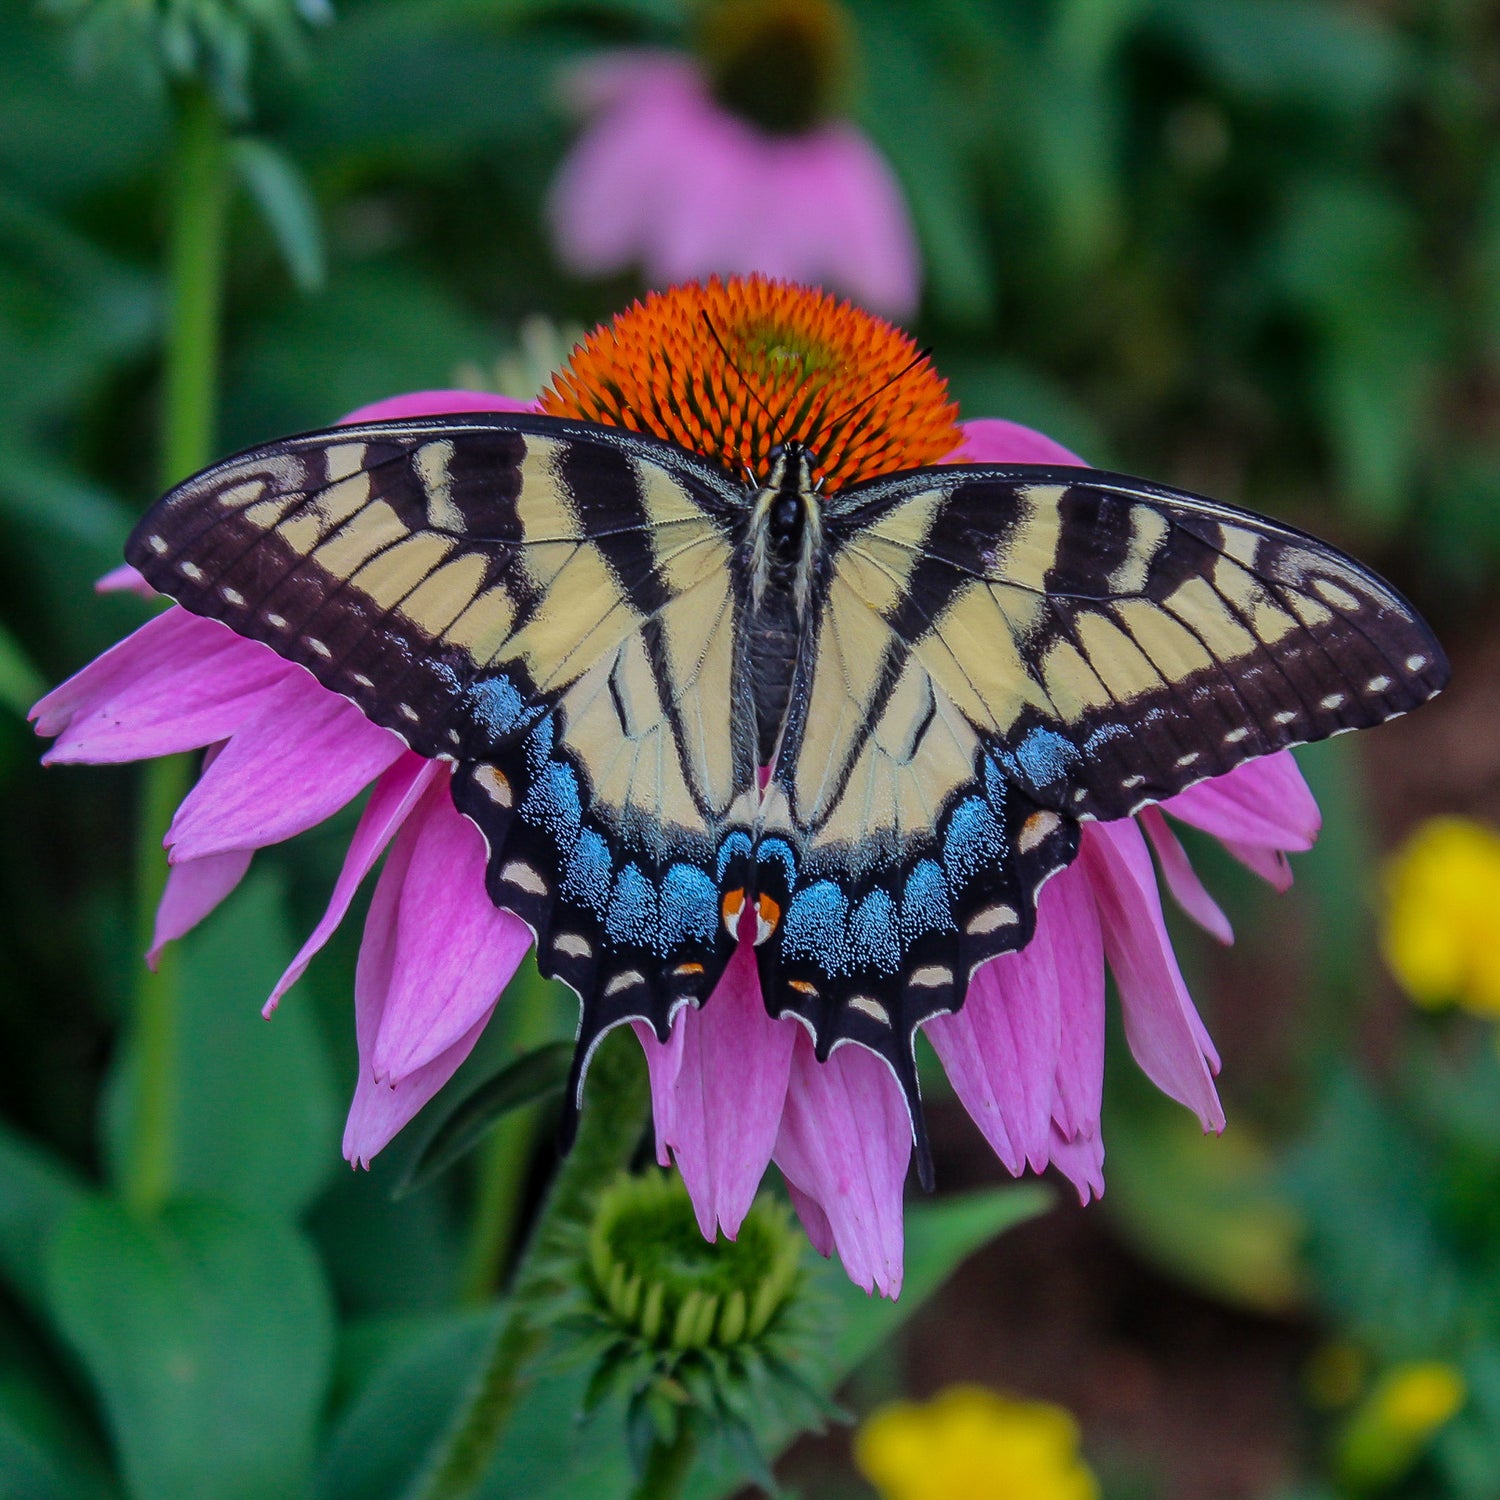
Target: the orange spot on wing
(769, 912)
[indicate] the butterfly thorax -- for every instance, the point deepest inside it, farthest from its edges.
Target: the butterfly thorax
(785, 544)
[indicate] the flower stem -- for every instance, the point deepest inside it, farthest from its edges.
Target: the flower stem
(607, 1137)
(668, 1466)
(530, 1004)
(198, 203)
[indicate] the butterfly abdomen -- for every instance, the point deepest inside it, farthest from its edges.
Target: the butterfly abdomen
(783, 550)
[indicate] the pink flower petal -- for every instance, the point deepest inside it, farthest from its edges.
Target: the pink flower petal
(381, 1107)
(1182, 879)
(611, 79)
(1263, 802)
(990, 440)
(441, 403)
(194, 888)
(1081, 1161)
(454, 949)
(1028, 1045)
(300, 757)
(395, 794)
(1001, 1049)
(663, 1062)
(379, 1110)
(1270, 864)
(1165, 1033)
(178, 683)
(866, 236)
(845, 1143)
(124, 580)
(1067, 909)
(727, 1096)
(814, 1221)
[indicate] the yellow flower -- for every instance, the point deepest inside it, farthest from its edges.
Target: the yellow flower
(1442, 927)
(1391, 1428)
(1418, 1398)
(969, 1443)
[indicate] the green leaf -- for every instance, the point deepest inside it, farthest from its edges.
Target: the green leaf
(59, 135)
(20, 682)
(279, 190)
(70, 312)
(535, 1076)
(940, 1233)
(257, 1112)
(1379, 1261)
(208, 1339)
(1208, 1208)
(386, 1432)
(36, 1194)
(1336, 57)
(928, 112)
(38, 491)
(1347, 255)
(375, 331)
(457, 87)
(46, 1449)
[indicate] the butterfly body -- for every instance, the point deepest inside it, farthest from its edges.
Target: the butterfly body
(858, 729)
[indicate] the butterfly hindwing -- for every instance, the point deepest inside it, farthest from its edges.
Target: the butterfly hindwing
(1000, 653)
(550, 606)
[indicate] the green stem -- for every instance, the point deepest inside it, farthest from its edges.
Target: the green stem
(501, 1178)
(607, 1136)
(195, 275)
(530, 1003)
(668, 1465)
(198, 205)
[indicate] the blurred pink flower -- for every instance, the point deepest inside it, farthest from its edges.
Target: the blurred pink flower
(666, 177)
(732, 1089)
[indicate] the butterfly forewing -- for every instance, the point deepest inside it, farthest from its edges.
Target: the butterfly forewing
(552, 608)
(1116, 642)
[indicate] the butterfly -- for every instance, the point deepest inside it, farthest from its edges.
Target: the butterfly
(858, 729)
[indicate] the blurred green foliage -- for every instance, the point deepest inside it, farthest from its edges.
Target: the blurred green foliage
(1249, 246)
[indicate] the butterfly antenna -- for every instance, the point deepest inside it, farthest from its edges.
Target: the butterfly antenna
(729, 359)
(880, 390)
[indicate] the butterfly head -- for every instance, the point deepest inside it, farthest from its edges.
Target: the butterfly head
(791, 476)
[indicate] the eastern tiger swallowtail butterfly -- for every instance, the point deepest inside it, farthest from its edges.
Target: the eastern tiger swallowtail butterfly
(861, 728)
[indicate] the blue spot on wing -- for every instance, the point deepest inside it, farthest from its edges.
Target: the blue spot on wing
(554, 803)
(925, 904)
(737, 842)
(781, 851)
(1043, 758)
(632, 910)
(872, 934)
(689, 906)
(813, 927)
(974, 840)
(587, 879)
(497, 706)
(539, 746)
